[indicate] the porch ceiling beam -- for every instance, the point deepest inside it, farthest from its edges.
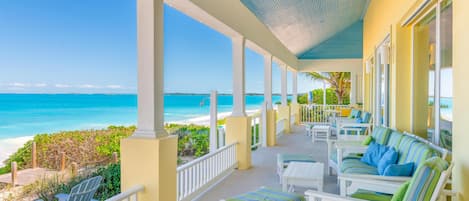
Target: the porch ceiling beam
(232, 18)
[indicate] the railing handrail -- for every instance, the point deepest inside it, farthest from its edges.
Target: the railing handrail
(204, 157)
(128, 193)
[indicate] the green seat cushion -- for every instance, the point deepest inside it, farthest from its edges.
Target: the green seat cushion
(267, 194)
(381, 135)
(333, 156)
(355, 166)
(370, 195)
(401, 191)
(423, 183)
(287, 158)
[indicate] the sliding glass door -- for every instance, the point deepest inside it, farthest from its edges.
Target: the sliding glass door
(432, 70)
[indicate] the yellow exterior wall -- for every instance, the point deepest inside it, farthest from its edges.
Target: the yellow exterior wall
(378, 25)
(461, 97)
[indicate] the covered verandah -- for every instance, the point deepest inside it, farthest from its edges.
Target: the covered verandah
(149, 157)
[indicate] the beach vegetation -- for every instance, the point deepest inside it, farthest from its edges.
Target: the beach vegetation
(339, 83)
(318, 97)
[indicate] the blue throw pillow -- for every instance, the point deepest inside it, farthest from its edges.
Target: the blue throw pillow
(373, 154)
(390, 157)
(404, 170)
(358, 120)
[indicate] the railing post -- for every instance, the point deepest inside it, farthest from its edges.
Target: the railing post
(115, 158)
(62, 161)
(34, 155)
(14, 173)
(213, 121)
(74, 167)
(263, 128)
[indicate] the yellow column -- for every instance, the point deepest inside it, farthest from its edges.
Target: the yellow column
(295, 110)
(461, 98)
(271, 128)
(151, 162)
(284, 113)
(238, 129)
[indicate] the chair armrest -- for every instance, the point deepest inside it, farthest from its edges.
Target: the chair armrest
(361, 125)
(375, 178)
(315, 195)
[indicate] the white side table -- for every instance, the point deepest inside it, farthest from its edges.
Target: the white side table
(309, 175)
(320, 132)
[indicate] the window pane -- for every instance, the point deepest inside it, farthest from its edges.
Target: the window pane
(424, 71)
(446, 74)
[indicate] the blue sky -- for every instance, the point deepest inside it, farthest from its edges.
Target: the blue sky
(89, 46)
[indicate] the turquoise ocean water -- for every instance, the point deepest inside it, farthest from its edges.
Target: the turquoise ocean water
(29, 114)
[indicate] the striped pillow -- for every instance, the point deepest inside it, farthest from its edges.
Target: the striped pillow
(423, 183)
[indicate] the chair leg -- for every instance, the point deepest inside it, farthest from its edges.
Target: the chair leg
(343, 187)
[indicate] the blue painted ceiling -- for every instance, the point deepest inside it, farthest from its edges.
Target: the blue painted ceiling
(314, 29)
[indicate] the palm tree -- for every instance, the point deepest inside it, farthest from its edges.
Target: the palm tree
(339, 81)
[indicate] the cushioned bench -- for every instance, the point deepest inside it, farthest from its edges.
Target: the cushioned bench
(411, 149)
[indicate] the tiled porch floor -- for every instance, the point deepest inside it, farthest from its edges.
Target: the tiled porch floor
(263, 171)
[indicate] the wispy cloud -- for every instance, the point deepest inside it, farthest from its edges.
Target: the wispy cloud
(19, 84)
(88, 86)
(62, 86)
(114, 86)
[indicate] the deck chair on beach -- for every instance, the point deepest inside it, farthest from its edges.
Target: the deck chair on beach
(84, 191)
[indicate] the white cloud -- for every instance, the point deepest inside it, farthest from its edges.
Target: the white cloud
(62, 86)
(114, 87)
(19, 84)
(88, 86)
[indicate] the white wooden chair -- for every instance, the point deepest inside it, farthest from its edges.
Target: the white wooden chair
(84, 191)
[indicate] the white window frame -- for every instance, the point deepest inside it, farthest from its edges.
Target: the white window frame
(378, 85)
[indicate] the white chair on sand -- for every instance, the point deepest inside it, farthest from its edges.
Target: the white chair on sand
(85, 190)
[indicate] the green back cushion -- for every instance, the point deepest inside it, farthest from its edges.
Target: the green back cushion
(423, 183)
(394, 139)
(354, 114)
(418, 153)
(401, 191)
(404, 147)
(366, 117)
(381, 135)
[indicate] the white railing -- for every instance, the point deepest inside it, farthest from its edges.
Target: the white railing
(129, 195)
(280, 127)
(256, 127)
(197, 176)
(319, 113)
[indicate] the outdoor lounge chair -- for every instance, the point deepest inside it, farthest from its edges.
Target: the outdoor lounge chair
(84, 191)
(284, 159)
(427, 184)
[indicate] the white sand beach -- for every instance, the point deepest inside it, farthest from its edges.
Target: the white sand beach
(10, 145)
